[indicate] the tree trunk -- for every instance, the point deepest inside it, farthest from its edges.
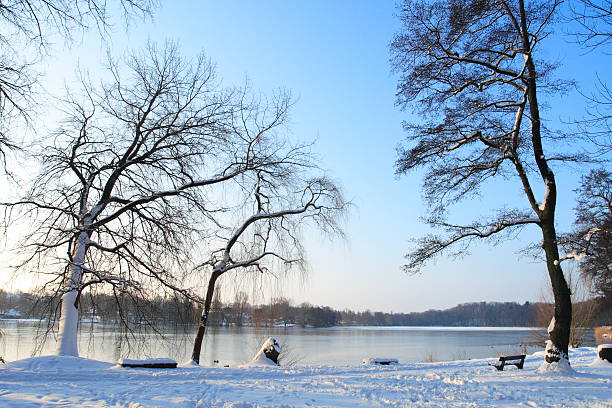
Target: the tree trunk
(559, 330)
(67, 344)
(197, 344)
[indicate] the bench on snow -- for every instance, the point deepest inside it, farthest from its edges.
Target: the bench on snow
(149, 363)
(380, 361)
(518, 361)
(604, 351)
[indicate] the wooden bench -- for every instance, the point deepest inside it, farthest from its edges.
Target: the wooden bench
(150, 363)
(518, 361)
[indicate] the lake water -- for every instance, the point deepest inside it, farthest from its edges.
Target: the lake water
(304, 346)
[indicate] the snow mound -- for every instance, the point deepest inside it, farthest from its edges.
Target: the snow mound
(561, 367)
(58, 363)
(600, 362)
(189, 363)
(262, 361)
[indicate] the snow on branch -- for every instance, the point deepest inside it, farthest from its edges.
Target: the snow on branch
(579, 245)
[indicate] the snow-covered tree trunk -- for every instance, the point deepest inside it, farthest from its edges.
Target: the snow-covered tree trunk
(67, 344)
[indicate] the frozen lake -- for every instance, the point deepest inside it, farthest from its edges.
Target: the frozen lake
(304, 346)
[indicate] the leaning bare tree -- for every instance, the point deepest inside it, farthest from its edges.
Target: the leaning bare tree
(265, 236)
(471, 70)
(27, 27)
(123, 188)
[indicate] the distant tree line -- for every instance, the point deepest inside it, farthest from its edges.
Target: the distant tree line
(281, 312)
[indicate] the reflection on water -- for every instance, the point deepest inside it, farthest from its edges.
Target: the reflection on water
(235, 345)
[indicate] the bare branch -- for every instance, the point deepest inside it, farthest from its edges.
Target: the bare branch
(24, 41)
(460, 237)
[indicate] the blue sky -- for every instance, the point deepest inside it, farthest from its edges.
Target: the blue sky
(334, 58)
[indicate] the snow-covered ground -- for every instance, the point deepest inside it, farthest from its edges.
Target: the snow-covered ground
(52, 381)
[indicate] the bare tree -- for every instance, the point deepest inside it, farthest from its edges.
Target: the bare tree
(591, 241)
(280, 204)
(471, 70)
(240, 308)
(125, 187)
(27, 27)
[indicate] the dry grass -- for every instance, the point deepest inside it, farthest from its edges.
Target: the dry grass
(430, 357)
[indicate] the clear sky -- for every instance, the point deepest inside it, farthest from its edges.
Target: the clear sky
(334, 57)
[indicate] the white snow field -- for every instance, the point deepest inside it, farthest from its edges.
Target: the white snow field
(52, 381)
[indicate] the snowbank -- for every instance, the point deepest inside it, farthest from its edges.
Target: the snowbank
(58, 363)
(53, 381)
